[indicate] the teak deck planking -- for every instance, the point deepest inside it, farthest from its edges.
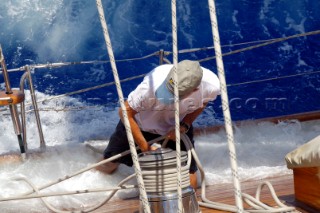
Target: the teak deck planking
(223, 193)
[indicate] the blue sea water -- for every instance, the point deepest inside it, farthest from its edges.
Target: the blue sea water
(48, 31)
(34, 32)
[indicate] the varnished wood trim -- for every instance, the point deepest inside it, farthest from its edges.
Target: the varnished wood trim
(15, 97)
(306, 116)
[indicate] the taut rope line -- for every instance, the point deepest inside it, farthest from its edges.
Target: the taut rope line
(140, 76)
(225, 106)
(264, 44)
(134, 154)
(166, 53)
(176, 101)
(61, 64)
(78, 108)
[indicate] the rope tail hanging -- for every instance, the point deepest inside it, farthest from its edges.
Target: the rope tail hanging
(133, 150)
(225, 105)
(176, 101)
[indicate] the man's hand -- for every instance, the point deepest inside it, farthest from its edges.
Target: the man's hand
(149, 148)
(155, 146)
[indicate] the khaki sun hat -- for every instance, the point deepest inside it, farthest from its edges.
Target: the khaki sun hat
(189, 78)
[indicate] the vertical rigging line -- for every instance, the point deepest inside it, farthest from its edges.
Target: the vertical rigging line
(176, 101)
(133, 150)
(225, 106)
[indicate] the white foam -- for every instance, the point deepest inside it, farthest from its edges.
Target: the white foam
(260, 150)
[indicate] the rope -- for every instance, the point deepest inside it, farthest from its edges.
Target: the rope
(225, 105)
(78, 92)
(253, 202)
(61, 64)
(275, 78)
(134, 155)
(78, 108)
(163, 179)
(55, 65)
(90, 88)
(90, 209)
(226, 45)
(176, 101)
(1, 56)
(226, 114)
(152, 176)
(140, 76)
(267, 42)
(264, 44)
(27, 194)
(55, 194)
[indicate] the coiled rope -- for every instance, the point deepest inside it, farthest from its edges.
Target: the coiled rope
(253, 202)
(225, 106)
(134, 155)
(163, 176)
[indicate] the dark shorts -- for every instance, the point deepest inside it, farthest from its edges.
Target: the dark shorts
(119, 143)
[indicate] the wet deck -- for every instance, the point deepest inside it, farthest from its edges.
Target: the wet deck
(223, 193)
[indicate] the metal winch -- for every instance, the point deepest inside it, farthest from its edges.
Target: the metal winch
(159, 169)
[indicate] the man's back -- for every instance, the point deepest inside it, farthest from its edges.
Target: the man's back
(154, 115)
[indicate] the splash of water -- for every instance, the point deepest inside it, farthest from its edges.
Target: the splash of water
(260, 149)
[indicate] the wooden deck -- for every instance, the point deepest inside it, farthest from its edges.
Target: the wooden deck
(223, 193)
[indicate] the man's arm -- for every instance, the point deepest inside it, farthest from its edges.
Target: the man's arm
(188, 119)
(136, 132)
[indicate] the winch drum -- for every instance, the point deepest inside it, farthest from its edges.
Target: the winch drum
(163, 198)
